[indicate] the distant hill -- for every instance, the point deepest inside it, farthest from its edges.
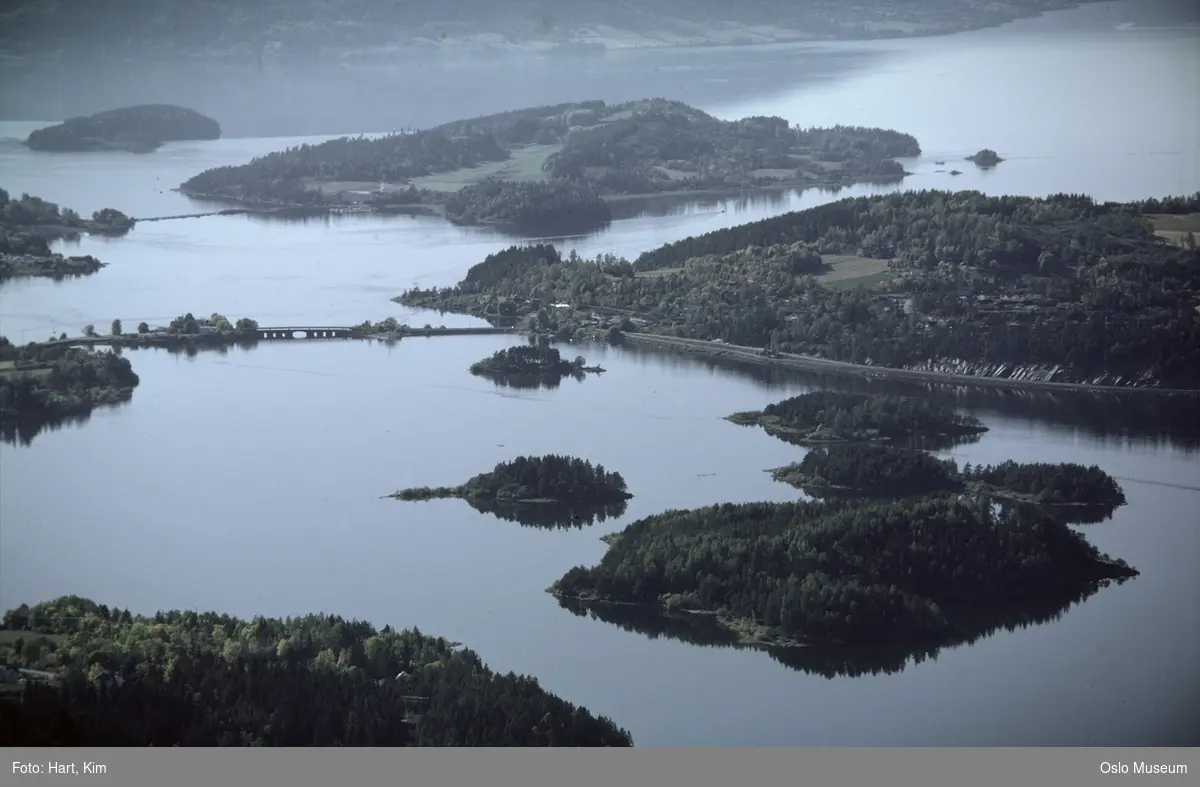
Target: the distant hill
(139, 129)
(317, 29)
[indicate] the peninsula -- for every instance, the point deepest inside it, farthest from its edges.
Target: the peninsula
(866, 470)
(836, 417)
(138, 129)
(45, 383)
(549, 480)
(560, 166)
(100, 676)
(874, 573)
(1056, 291)
(29, 224)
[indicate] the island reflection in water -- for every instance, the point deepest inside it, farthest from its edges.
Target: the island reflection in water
(971, 624)
(551, 516)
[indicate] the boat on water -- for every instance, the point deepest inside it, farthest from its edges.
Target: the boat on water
(352, 209)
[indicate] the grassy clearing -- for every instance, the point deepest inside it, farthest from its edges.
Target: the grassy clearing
(8, 636)
(849, 270)
(1175, 227)
(525, 165)
(656, 273)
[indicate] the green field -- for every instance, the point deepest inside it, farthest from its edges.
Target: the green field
(849, 271)
(524, 165)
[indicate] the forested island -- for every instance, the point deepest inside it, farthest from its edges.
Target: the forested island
(138, 129)
(834, 416)
(100, 676)
(29, 224)
(554, 490)
(890, 471)
(935, 284)
(531, 366)
(556, 165)
(986, 158)
(844, 573)
(45, 383)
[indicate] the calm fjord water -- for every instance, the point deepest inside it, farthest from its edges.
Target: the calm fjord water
(249, 482)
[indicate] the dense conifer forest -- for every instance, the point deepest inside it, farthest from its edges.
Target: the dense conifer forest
(849, 573)
(891, 471)
(104, 677)
(549, 479)
(834, 416)
(1061, 288)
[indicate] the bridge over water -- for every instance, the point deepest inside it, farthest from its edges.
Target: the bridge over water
(349, 332)
(273, 333)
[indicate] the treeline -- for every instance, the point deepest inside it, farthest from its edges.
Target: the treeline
(283, 176)
(203, 679)
(556, 203)
(892, 471)
(28, 224)
(873, 470)
(879, 572)
(658, 145)
(1050, 483)
(528, 360)
(1061, 288)
(550, 478)
(50, 382)
(836, 415)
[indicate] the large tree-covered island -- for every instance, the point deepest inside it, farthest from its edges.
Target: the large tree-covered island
(99, 676)
(846, 573)
(546, 490)
(557, 165)
(927, 285)
(835, 417)
(890, 471)
(138, 129)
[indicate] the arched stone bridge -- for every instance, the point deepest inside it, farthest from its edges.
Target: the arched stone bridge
(343, 332)
(308, 332)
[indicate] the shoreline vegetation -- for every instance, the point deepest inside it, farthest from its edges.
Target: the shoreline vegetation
(28, 225)
(100, 676)
(40, 383)
(823, 417)
(885, 471)
(838, 573)
(581, 28)
(558, 167)
(532, 366)
(1058, 292)
(543, 491)
(138, 129)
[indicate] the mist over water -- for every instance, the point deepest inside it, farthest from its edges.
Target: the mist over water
(171, 506)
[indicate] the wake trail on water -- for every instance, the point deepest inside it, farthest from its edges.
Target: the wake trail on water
(1186, 487)
(276, 368)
